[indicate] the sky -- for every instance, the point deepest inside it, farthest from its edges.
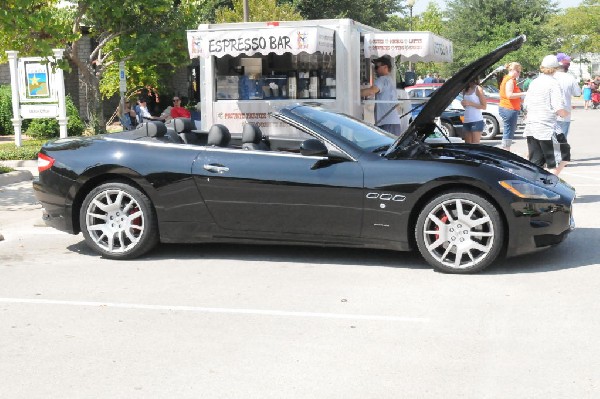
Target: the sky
(421, 5)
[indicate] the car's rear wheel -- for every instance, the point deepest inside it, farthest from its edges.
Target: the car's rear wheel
(490, 127)
(459, 232)
(118, 221)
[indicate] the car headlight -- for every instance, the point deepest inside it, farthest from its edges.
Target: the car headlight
(527, 190)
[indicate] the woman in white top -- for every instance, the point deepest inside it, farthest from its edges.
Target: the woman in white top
(474, 102)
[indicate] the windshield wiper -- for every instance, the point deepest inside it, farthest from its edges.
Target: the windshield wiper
(381, 148)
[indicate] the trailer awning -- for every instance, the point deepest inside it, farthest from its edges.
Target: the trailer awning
(278, 40)
(411, 46)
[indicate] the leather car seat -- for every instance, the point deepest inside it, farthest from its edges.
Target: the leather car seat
(252, 138)
(184, 128)
(218, 136)
(154, 129)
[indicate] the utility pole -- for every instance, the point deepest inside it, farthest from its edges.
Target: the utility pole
(246, 11)
(410, 4)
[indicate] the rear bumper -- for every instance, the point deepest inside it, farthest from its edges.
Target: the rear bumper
(55, 213)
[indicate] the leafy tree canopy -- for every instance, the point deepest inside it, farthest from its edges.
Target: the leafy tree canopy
(370, 12)
(259, 10)
(578, 28)
(477, 27)
(147, 32)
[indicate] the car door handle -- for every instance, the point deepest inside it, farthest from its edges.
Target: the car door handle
(216, 168)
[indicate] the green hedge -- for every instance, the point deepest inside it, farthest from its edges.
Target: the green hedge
(41, 128)
(27, 151)
(6, 127)
(48, 127)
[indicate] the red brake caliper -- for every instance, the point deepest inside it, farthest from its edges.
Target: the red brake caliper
(138, 220)
(443, 219)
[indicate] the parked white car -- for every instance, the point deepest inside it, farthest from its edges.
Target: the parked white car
(493, 125)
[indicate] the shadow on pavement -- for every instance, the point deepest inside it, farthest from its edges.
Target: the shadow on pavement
(587, 199)
(277, 253)
(579, 249)
(576, 251)
(576, 164)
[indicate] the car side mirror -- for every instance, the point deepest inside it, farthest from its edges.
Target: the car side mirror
(313, 147)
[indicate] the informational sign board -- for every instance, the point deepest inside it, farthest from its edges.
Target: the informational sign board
(38, 90)
(36, 81)
(39, 111)
(122, 77)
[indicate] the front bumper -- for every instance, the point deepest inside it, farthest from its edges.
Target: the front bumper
(539, 225)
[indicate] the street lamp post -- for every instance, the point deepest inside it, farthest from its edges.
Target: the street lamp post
(410, 4)
(246, 11)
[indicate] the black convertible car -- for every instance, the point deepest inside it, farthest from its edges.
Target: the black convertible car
(327, 179)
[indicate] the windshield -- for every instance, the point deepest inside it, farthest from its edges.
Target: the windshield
(365, 136)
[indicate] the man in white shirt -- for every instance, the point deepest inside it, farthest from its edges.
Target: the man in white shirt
(569, 88)
(544, 103)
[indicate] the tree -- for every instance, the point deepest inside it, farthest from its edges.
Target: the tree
(369, 12)
(578, 28)
(147, 32)
(477, 27)
(259, 10)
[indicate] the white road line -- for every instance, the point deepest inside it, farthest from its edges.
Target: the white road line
(216, 310)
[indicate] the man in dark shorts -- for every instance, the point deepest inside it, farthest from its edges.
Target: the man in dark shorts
(544, 102)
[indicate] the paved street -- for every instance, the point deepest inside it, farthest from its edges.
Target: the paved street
(232, 321)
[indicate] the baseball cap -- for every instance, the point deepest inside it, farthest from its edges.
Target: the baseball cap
(383, 60)
(550, 61)
(563, 58)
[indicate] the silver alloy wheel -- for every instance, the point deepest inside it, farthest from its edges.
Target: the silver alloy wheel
(447, 128)
(488, 128)
(115, 221)
(491, 128)
(458, 233)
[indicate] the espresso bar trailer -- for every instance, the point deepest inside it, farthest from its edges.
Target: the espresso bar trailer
(247, 69)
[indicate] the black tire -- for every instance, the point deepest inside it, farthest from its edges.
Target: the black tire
(450, 240)
(448, 129)
(491, 128)
(118, 221)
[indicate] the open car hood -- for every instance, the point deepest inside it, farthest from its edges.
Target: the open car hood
(424, 124)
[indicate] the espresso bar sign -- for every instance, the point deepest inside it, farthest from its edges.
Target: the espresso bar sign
(257, 44)
(280, 40)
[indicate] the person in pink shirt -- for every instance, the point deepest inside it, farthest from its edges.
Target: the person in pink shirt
(178, 111)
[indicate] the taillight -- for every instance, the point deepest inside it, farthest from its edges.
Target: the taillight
(44, 162)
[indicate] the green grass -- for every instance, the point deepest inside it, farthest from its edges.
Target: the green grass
(5, 169)
(27, 151)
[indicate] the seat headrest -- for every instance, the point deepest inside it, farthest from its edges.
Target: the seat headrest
(182, 125)
(152, 128)
(219, 136)
(251, 134)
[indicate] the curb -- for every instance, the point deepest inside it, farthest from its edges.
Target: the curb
(20, 164)
(23, 172)
(15, 177)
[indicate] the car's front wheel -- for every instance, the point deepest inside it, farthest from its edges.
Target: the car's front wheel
(118, 221)
(490, 127)
(459, 232)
